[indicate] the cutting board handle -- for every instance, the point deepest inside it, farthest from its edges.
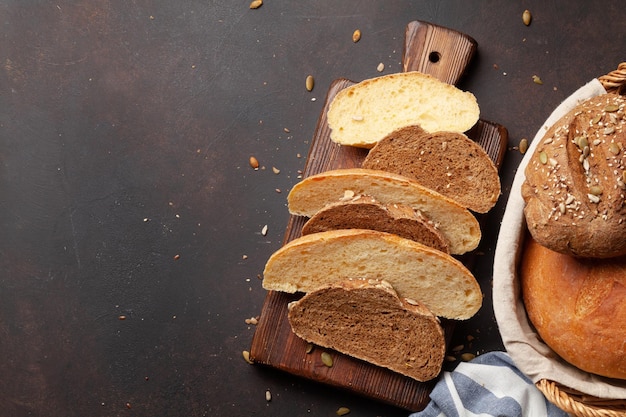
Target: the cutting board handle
(436, 50)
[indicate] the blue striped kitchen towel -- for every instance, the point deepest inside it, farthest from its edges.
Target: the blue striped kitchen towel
(489, 385)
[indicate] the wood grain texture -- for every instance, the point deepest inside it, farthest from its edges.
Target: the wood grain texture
(275, 345)
(436, 50)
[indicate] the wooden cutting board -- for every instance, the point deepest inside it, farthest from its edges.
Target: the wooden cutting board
(432, 49)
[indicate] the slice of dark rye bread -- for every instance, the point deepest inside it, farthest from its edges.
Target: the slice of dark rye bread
(434, 278)
(367, 320)
(447, 162)
(364, 212)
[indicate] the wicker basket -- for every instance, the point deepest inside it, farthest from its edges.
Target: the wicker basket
(569, 400)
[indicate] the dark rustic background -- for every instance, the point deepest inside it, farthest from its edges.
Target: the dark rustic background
(130, 220)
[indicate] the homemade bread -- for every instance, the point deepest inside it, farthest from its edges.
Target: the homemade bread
(575, 181)
(447, 162)
(416, 271)
(367, 320)
(364, 113)
(457, 224)
(578, 307)
(364, 212)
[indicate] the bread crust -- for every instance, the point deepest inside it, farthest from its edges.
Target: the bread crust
(577, 307)
(367, 320)
(575, 182)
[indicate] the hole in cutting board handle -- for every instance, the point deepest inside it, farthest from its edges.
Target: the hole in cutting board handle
(434, 57)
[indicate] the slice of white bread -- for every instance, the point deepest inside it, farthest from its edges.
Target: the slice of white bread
(364, 212)
(457, 224)
(367, 320)
(364, 113)
(448, 162)
(439, 281)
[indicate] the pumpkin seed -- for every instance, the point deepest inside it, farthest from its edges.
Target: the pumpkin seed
(595, 190)
(342, 411)
(582, 141)
(327, 359)
(309, 348)
(526, 17)
(543, 157)
(537, 80)
(356, 36)
(246, 357)
(610, 108)
(310, 83)
(523, 146)
(586, 151)
(256, 4)
(614, 148)
(596, 119)
(467, 357)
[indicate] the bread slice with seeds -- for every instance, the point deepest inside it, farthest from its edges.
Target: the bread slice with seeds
(457, 224)
(367, 320)
(416, 271)
(448, 162)
(364, 212)
(364, 113)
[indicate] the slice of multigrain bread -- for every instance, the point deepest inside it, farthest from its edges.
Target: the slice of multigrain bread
(364, 113)
(415, 271)
(367, 320)
(457, 224)
(364, 212)
(448, 162)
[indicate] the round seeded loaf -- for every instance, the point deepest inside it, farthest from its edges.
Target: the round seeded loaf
(575, 181)
(366, 112)
(448, 162)
(577, 306)
(367, 320)
(416, 271)
(364, 212)
(457, 224)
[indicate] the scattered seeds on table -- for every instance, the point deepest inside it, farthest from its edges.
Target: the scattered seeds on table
(246, 357)
(467, 357)
(380, 67)
(327, 359)
(537, 80)
(523, 146)
(254, 163)
(356, 36)
(310, 83)
(264, 230)
(275, 170)
(342, 411)
(526, 17)
(268, 396)
(309, 348)
(256, 4)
